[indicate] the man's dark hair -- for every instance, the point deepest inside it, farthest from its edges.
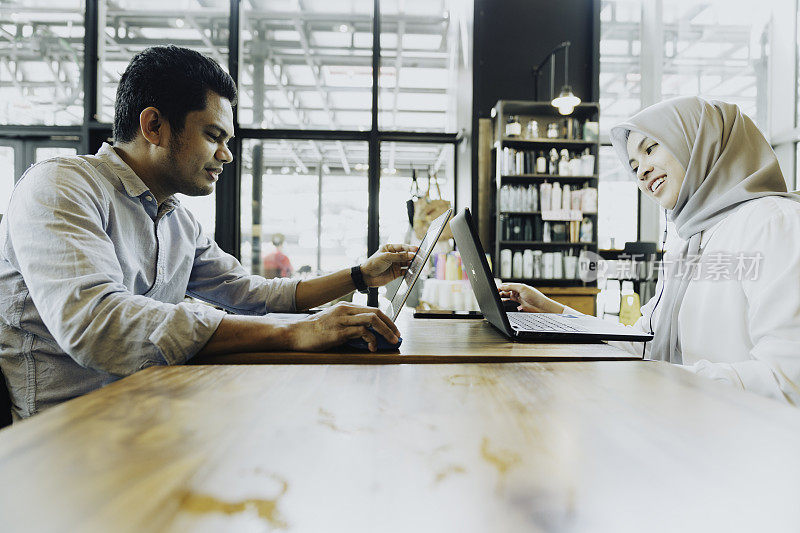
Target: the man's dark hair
(174, 80)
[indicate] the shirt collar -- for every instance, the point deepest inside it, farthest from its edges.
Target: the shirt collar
(133, 184)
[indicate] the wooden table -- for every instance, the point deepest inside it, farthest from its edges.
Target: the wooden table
(436, 340)
(589, 447)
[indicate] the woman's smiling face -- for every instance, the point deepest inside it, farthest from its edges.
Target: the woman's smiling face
(658, 174)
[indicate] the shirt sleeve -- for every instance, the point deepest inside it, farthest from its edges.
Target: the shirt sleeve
(218, 278)
(56, 239)
(773, 312)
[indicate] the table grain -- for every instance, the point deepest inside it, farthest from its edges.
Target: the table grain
(573, 447)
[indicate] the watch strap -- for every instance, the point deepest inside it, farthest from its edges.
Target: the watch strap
(358, 279)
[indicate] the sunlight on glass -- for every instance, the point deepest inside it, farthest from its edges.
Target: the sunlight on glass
(6, 176)
(41, 59)
(309, 205)
(617, 202)
(43, 154)
(131, 26)
(204, 209)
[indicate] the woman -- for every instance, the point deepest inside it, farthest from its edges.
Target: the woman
(727, 304)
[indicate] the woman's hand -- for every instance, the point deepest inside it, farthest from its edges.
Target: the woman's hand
(529, 299)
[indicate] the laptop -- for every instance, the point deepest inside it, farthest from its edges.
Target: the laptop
(415, 268)
(521, 326)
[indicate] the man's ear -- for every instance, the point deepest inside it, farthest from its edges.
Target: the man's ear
(154, 126)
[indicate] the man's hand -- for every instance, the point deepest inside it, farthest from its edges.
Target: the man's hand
(529, 299)
(388, 263)
(337, 324)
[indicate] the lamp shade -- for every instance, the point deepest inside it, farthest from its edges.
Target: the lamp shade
(566, 100)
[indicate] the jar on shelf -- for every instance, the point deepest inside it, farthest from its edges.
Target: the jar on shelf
(513, 126)
(553, 131)
(532, 130)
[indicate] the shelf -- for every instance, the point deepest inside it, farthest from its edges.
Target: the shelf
(545, 282)
(554, 177)
(544, 107)
(542, 243)
(541, 142)
(517, 213)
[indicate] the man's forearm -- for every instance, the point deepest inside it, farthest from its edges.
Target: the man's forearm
(248, 334)
(317, 291)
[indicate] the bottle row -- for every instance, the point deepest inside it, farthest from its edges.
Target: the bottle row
(536, 264)
(523, 228)
(548, 196)
(564, 128)
(565, 163)
(447, 266)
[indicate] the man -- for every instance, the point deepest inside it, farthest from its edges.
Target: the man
(97, 255)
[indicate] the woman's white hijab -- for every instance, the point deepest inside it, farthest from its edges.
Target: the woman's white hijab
(728, 162)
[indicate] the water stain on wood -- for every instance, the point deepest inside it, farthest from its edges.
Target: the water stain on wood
(466, 380)
(501, 460)
(449, 471)
(267, 509)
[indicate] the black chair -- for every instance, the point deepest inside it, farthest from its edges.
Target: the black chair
(5, 403)
(641, 248)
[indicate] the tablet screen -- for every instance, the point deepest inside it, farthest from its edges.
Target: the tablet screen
(411, 275)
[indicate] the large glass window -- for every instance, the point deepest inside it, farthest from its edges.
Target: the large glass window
(204, 209)
(41, 59)
(618, 202)
(431, 164)
(306, 65)
(718, 49)
(47, 152)
(620, 62)
(420, 58)
(129, 27)
(6, 176)
(304, 206)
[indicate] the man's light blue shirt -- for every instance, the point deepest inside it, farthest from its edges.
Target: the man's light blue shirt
(93, 275)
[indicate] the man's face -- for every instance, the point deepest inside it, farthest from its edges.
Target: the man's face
(196, 155)
(658, 174)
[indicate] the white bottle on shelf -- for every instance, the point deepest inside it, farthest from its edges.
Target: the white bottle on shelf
(555, 202)
(563, 163)
(527, 264)
(545, 196)
(505, 263)
(566, 198)
(587, 162)
(517, 270)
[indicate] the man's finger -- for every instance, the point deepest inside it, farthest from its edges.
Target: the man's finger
(379, 322)
(355, 332)
(400, 257)
(399, 248)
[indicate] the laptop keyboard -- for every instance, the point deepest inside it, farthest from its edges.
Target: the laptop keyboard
(542, 322)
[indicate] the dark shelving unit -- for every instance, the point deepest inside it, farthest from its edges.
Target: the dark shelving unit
(544, 113)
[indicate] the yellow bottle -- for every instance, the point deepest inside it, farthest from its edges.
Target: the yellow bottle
(629, 309)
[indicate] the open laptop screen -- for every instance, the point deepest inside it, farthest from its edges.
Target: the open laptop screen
(480, 277)
(421, 257)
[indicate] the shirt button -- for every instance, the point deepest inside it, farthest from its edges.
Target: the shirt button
(148, 198)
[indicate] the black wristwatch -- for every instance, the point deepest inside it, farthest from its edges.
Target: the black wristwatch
(358, 279)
